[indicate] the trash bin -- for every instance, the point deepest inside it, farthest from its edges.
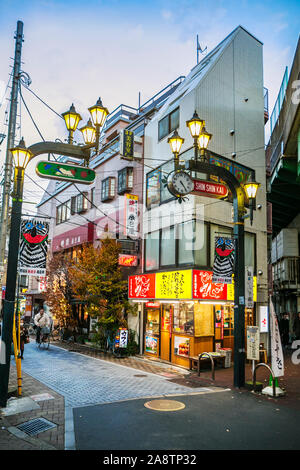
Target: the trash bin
(227, 352)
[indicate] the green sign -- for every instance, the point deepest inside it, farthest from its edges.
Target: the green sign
(65, 172)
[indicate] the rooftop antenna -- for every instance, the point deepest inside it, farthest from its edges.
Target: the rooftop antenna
(202, 51)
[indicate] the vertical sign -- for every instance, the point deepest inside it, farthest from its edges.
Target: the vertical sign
(131, 215)
(249, 287)
(33, 247)
(263, 319)
(224, 259)
(123, 338)
(253, 343)
(127, 144)
(276, 348)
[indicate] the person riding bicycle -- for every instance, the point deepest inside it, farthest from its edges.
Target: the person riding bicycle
(41, 320)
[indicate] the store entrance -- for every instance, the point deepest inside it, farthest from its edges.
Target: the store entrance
(166, 331)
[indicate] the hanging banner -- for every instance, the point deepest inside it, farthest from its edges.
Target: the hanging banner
(224, 260)
(277, 363)
(33, 247)
(131, 216)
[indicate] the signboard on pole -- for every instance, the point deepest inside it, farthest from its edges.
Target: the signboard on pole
(277, 363)
(33, 247)
(224, 260)
(253, 343)
(249, 303)
(65, 172)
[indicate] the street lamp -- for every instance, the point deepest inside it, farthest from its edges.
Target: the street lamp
(88, 132)
(72, 119)
(175, 142)
(98, 113)
(195, 125)
(203, 141)
(251, 190)
(21, 157)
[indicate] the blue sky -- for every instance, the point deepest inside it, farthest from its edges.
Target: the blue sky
(77, 51)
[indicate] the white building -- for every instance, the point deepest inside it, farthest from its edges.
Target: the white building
(226, 90)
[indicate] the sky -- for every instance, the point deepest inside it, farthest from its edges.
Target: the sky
(75, 52)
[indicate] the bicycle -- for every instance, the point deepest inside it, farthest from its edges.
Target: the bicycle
(44, 338)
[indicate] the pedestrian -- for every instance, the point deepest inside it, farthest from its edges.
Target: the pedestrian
(296, 326)
(284, 328)
(24, 339)
(41, 320)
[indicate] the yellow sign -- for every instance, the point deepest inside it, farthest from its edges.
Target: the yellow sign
(174, 285)
(230, 290)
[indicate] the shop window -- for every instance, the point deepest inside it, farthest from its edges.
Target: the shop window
(167, 247)
(152, 321)
(184, 318)
(125, 180)
(108, 189)
(228, 313)
(152, 251)
(168, 124)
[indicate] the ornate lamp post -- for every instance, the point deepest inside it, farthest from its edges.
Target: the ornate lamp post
(72, 119)
(21, 157)
(98, 113)
(195, 126)
(175, 142)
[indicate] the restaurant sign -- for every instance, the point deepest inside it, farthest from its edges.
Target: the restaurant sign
(182, 284)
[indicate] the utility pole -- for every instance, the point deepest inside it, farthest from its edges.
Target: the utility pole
(10, 142)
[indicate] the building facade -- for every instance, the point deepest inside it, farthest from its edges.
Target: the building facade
(184, 312)
(80, 214)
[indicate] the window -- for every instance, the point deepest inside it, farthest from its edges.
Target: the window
(108, 189)
(82, 202)
(167, 247)
(152, 251)
(92, 198)
(125, 180)
(250, 250)
(63, 212)
(168, 124)
(192, 243)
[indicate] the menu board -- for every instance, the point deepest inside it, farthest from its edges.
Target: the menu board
(182, 346)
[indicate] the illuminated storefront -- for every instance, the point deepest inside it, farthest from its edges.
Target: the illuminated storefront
(185, 313)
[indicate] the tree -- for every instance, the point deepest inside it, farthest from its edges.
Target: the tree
(59, 290)
(97, 280)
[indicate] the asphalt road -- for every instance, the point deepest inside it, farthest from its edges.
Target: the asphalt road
(215, 421)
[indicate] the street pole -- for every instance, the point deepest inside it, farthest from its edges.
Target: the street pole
(10, 140)
(10, 293)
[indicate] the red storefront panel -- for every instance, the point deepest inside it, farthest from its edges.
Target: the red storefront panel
(205, 289)
(142, 286)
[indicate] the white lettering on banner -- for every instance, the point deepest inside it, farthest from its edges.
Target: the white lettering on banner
(277, 363)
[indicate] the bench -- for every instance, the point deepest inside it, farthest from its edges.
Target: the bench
(194, 361)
